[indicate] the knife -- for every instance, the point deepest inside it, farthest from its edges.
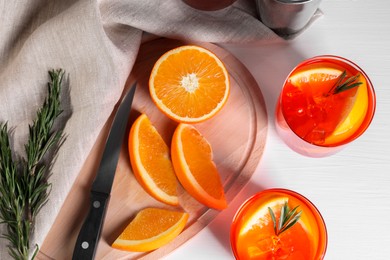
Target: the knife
(89, 235)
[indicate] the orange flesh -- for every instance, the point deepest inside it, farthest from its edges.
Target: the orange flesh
(189, 84)
(198, 155)
(151, 163)
(155, 158)
(150, 229)
(150, 223)
(194, 167)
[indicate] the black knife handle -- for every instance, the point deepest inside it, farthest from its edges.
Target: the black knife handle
(89, 235)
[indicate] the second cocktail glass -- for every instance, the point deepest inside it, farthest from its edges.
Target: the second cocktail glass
(278, 224)
(326, 102)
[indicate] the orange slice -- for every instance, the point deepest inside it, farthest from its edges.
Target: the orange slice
(189, 84)
(317, 77)
(192, 159)
(151, 163)
(354, 118)
(150, 229)
(315, 82)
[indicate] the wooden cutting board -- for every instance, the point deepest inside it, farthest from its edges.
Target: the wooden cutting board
(237, 135)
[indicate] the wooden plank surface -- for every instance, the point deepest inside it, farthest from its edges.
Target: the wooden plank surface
(237, 135)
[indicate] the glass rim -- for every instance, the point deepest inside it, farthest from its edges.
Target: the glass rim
(371, 96)
(296, 2)
(295, 194)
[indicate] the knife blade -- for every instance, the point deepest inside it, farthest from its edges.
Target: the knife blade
(90, 231)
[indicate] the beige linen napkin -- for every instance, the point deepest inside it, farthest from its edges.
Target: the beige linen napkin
(96, 43)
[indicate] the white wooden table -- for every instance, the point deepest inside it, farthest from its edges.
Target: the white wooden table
(351, 188)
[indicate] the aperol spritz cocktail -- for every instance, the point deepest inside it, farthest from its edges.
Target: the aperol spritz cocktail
(255, 231)
(326, 102)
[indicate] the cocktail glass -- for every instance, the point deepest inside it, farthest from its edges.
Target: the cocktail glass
(254, 236)
(326, 102)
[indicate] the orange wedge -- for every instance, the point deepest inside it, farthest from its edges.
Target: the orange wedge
(354, 118)
(192, 159)
(150, 229)
(319, 78)
(189, 84)
(151, 163)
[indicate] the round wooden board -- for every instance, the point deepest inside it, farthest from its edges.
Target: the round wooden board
(237, 135)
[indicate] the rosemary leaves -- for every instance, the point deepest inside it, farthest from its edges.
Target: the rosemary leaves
(287, 219)
(24, 187)
(344, 83)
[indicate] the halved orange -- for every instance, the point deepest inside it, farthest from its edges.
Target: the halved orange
(150, 229)
(189, 84)
(192, 159)
(151, 163)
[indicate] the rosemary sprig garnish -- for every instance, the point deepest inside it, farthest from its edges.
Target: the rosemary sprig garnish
(344, 83)
(24, 187)
(287, 219)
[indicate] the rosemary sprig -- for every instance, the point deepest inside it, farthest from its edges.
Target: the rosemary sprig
(344, 83)
(24, 187)
(287, 219)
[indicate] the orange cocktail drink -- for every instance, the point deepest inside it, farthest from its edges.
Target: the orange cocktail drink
(326, 102)
(278, 224)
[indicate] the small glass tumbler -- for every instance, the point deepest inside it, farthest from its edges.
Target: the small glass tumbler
(286, 17)
(326, 103)
(253, 235)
